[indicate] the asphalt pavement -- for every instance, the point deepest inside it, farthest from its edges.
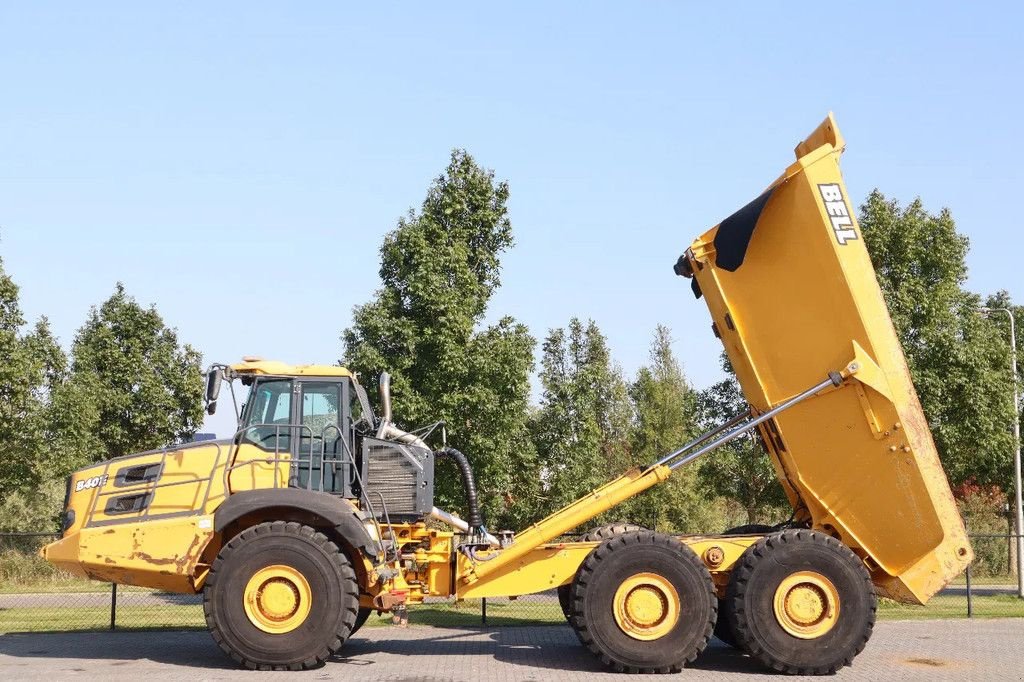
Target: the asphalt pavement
(153, 598)
(909, 650)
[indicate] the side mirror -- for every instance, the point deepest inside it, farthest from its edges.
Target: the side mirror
(213, 379)
(211, 407)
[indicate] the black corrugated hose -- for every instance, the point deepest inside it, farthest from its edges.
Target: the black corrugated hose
(474, 519)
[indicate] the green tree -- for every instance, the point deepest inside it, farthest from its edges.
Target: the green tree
(439, 268)
(60, 423)
(17, 399)
(741, 470)
(33, 510)
(1001, 299)
(665, 406)
(133, 386)
(958, 360)
(31, 372)
(583, 425)
(32, 364)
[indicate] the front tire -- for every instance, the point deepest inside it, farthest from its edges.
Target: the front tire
(643, 603)
(361, 618)
(280, 596)
(800, 602)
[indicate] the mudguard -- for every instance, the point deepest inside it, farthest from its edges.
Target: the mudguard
(337, 511)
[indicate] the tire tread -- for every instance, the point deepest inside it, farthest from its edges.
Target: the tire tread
(317, 538)
(604, 552)
(740, 581)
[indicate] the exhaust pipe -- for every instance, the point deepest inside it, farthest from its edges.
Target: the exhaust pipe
(388, 431)
(461, 526)
(385, 404)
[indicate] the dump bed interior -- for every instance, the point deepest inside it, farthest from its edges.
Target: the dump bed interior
(793, 295)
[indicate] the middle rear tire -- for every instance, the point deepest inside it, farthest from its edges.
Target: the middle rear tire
(643, 603)
(598, 534)
(723, 630)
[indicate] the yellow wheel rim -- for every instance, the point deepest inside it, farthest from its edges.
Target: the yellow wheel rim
(646, 606)
(806, 604)
(277, 599)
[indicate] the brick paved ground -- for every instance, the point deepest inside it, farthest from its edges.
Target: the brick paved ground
(924, 650)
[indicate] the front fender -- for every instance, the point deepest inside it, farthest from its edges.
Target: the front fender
(315, 508)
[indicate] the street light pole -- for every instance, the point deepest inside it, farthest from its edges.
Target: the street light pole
(1019, 506)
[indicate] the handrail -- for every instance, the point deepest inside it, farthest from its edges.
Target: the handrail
(275, 457)
(149, 486)
(298, 461)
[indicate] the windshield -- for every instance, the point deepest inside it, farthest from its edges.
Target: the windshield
(269, 405)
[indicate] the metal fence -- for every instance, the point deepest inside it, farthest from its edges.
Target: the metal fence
(35, 597)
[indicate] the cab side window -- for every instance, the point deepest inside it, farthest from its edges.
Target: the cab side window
(320, 438)
(320, 401)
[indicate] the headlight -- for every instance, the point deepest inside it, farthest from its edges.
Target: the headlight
(67, 516)
(68, 520)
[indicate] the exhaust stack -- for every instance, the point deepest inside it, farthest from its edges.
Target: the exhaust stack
(385, 403)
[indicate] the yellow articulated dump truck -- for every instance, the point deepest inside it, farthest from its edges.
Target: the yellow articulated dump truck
(319, 511)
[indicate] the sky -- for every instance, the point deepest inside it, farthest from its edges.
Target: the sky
(238, 164)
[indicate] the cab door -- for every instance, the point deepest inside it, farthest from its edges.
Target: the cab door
(321, 447)
(264, 447)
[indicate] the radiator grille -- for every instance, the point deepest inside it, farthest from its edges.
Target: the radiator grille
(402, 474)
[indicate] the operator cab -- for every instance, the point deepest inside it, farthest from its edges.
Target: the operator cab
(312, 414)
(319, 420)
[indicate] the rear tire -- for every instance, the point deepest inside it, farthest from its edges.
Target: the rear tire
(643, 603)
(801, 602)
(723, 631)
(280, 596)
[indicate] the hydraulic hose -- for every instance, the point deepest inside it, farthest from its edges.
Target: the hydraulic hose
(474, 519)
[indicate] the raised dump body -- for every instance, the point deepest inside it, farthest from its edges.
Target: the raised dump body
(793, 295)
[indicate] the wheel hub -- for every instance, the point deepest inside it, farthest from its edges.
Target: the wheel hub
(277, 599)
(646, 606)
(806, 604)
